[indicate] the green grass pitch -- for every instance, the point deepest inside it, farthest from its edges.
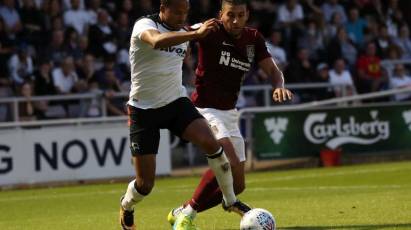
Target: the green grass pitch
(362, 197)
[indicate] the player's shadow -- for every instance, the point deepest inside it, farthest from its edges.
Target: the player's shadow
(349, 227)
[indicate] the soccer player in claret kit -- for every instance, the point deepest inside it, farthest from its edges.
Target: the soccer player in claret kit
(225, 55)
(158, 100)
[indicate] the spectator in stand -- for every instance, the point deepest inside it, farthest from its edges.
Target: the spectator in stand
(372, 31)
(276, 51)
(21, 65)
(355, 26)
(5, 85)
(33, 23)
(71, 44)
(39, 3)
(404, 42)
(335, 23)
(57, 24)
(43, 80)
(383, 41)
(5, 91)
(322, 76)
(115, 105)
(77, 17)
(43, 85)
(127, 7)
(86, 70)
(291, 13)
(401, 79)
(55, 50)
(93, 6)
(290, 20)
(109, 64)
(101, 36)
(6, 48)
(342, 47)
(300, 70)
(65, 77)
(144, 7)
(394, 53)
(370, 76)
(313, 40)
(341, 76)
(331, 8)
(123, 31)
(370, 8)
(265, 12)
(394, 17)
(68, 4)
(26, 108)
(11, 18)
(83, 45)
(51, 9)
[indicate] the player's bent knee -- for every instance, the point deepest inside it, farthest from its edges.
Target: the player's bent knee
(209, 144)
(144, 187)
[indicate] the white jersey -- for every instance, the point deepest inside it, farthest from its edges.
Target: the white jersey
(156, 74)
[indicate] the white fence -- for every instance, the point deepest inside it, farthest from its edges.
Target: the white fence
(86, 151)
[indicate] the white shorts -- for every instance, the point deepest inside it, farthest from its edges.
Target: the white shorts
(224, 123)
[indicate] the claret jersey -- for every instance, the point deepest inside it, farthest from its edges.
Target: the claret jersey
(222, 64)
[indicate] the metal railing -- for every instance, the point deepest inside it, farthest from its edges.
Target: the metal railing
(267, 89)
(81, 97)
(99, 96)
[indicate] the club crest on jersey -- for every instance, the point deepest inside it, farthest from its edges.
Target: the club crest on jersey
(250, 53)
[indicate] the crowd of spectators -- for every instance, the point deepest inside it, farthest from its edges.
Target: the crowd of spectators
(59, 47)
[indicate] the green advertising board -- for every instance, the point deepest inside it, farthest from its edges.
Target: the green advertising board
(353, 129)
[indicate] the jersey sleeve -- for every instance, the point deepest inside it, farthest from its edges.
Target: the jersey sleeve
(261, 50)
(142, 25)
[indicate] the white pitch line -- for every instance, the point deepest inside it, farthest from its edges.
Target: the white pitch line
(119, 191)
(316, 188)
(55, 195)
(328, 174)
(185, 188)
(353, 187)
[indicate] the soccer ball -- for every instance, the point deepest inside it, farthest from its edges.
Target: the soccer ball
(257, 219)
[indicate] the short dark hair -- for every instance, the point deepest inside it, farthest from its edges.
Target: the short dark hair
(234, 2)
(167, 2)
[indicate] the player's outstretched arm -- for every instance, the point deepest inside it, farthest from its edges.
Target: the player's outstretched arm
(159, 40)
(280, 94)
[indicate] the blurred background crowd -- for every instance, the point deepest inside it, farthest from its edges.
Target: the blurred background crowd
(61, 47)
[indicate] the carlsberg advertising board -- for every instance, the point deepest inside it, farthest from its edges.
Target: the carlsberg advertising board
(355, 130)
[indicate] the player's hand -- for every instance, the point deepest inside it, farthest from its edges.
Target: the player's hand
(282, 95)
(207, 27)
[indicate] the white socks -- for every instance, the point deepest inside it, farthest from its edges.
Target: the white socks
(220, 165)
(189, 211)
(131, 197)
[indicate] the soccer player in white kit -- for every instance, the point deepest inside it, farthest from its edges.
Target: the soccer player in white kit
(158, 100)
